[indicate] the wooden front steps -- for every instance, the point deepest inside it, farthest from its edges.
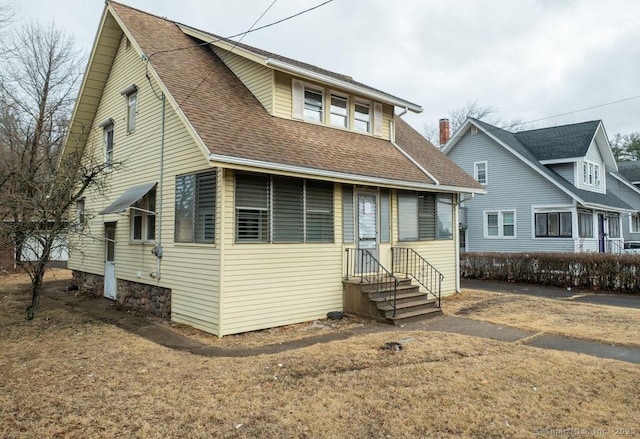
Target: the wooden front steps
(366, 300)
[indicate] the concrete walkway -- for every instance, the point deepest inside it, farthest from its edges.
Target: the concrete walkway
(103, 310)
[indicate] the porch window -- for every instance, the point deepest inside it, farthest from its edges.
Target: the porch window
(635, 223)
(585, 225)
(385, 216)
(347, 214)
(195, 208)
(423, 216)
(614, 225)
(553, 225)
(279, 209)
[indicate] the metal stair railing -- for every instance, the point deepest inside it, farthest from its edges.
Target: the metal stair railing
(408, 262)
(362, 264)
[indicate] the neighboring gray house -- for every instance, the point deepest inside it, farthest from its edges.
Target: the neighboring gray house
(547, 189)
(626, 185)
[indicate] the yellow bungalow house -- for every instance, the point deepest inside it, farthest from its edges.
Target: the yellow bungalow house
(250, 185)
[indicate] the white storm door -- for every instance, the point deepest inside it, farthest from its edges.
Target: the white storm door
(110, 261)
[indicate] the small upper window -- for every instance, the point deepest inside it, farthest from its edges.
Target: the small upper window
(80, 213)
(480, 172)
(108, 145)
(362, 117)
(132, 106)
(313, 104)
(339, 115)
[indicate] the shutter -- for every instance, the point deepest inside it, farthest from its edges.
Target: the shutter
(288, 210)
(205, 224)
(377, 119)
(407, 216)
(385, 216)
(319, 211)
(297, 105)
(185, 191)
(426, 216)
(347, 213)
(252, 207)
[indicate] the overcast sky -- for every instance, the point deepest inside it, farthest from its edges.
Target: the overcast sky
(530, 59)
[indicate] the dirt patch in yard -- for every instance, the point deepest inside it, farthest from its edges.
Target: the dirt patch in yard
(607, 324)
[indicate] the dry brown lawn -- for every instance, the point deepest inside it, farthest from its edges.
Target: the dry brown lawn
(609, 324)
(65, 375)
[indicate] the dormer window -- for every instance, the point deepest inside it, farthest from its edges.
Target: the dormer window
(339, 116)
(362, 117)
(591, 174)
(313, 105)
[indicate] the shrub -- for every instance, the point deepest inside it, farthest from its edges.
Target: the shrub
(604, 272)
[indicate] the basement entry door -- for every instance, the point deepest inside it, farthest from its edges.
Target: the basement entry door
(110, 260)
(367, 222)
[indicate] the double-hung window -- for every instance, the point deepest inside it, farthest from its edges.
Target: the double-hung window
(339, 116)
(614, 225)
(480, 172)
(362, 117)
(424, 216)
(195, 218)
(143, 218)
(500, 224)
(553, 225)
(132, 107)
(585, 225)
(591, 174)
(281, 209)
(313, 108)
(80, 213)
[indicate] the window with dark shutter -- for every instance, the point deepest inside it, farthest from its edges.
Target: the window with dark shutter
(319, 211)
(347, 213)
(385, 216)
(426, 216)
(288, 210)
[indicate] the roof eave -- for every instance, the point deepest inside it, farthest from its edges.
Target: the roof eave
(339, 176)
(608, 208)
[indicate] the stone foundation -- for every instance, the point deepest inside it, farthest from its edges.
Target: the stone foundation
(149, 299)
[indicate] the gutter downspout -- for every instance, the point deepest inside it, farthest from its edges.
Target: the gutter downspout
(157, 249)
(457, 241)
(392, 139)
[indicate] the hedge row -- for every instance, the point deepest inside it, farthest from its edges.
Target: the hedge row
(604, 272)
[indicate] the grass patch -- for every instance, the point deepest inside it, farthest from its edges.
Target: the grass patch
(64, 375)
(609, 324)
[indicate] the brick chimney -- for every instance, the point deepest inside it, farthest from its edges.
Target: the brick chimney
(444, 131)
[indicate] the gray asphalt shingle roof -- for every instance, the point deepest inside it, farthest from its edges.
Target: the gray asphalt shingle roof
(565, 141)
(630, 170)
(541, 141)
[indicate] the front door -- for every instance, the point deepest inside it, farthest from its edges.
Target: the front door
(110, 260)
(367, 222)
(601, 233)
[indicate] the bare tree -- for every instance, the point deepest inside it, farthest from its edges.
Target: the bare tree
(38, 83)
(459, 115)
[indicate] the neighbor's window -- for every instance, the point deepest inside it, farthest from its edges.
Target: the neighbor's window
(480, 172)
(143, 218)
(585, 225)
(424, 216)
(635, 223)
(108, 145)
(339, 116)
(614, 225)
(500, 224)
(313, 104)
(132, 108)
(362, 117)
(282, 209)
(195, 208)
(553, 225)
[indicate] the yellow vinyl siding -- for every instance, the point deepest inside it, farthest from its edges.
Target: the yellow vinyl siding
(194, 302)
(257, 78)
(267, 285)
(283, 102)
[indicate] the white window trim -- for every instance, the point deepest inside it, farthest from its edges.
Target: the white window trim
(342, 96)
(597, 168)
(105, 130)
(369, 104)
(486, 171)
(554, 209)
(135, 113)
(500, 213)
